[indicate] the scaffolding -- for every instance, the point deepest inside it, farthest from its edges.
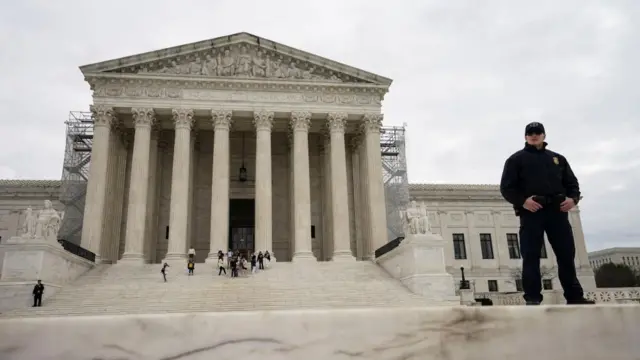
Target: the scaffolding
(394, 175)
(75, 173)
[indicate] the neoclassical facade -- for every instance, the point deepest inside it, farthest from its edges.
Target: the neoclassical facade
(183, 135)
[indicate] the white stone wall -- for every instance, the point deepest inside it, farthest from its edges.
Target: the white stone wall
(629, 256)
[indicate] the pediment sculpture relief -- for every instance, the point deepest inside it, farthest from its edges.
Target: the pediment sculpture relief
(415, 220)
(241, 61)
(42, 224)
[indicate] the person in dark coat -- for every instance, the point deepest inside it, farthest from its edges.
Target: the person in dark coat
(542, 188)
(38, 291)
(164, 271)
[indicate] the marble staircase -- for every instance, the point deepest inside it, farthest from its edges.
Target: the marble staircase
(123, 289)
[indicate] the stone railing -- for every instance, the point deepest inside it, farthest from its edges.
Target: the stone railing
(602, 295)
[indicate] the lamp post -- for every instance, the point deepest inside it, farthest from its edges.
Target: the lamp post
(464, 284)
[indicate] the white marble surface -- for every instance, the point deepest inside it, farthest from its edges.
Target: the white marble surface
(419, 264)
(461, 333)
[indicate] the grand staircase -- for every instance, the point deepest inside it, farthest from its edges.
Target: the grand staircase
(122, 289)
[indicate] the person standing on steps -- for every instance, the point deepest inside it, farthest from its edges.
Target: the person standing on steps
(38, 290)
(164, 271)
(221, 266)
(260, 260)
(542, 188)
(253, 263)
(191, 266)
(192, 254)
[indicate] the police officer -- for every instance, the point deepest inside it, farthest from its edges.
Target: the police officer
(542, 188)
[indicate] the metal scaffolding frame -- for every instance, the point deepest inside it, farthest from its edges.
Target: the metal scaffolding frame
(394, 175)
(75, 173)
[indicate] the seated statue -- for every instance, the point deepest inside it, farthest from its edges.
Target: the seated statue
(415, 220)
(44, 224)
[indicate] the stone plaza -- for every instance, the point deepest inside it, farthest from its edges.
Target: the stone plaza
(241, 143)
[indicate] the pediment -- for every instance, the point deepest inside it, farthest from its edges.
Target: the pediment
(240, 56)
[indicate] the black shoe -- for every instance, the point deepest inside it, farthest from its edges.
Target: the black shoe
(581, 301)
(533, 303)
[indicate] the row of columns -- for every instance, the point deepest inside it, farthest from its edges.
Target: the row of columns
(371, 194)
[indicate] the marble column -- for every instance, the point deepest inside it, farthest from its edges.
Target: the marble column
(300, 121)
(263, 121)
(143, 119)
(111, 204)
(122, 145)
(339, 192)
(375, 187)
(178, 212)
(367, 247)
(357, 197)
(93, 219)
(327, 238)
(151, 238)
(292, 229)
(191, 242)
(219, 231)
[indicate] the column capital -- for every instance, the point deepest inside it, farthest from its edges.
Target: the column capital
(143, 117)
(300, 120)
(182, 118)
(221, 119)
(371, 122)
(103, 115)
(263, 120)
(336, 121)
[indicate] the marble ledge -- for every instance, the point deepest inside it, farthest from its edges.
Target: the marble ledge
(428, 333)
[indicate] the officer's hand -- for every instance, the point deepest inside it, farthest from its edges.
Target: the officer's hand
(567, 205)
(531, 205)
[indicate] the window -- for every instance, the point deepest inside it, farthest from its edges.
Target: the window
(486, 246)
(519, 286)
(493, 285)
(459, 250)
(543, 251)
(547, 284)
(514, 246)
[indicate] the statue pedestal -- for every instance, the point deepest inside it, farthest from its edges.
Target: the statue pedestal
(419, 263)
(27, 260)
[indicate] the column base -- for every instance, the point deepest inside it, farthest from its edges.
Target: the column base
(343, 256)
(212, 259)
(132, 259)
(306, 256)
(175, 259)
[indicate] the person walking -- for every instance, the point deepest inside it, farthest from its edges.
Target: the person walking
(542, 188)
(221, 266)
(38, 291)
(164, 271)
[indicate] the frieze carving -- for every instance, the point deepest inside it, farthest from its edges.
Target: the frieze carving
(221, 119)
(336, 122)
(103, 115)
(263, 120)
(143, 117)
(372, 123)
(182, 118)
(240, 94)
(240, 61)
(300, 120)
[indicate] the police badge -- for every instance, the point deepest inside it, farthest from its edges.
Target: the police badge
(556, 161)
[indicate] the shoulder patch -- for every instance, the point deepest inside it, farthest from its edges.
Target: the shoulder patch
(556, 160)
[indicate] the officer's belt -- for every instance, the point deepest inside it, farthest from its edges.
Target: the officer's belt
(547, 200)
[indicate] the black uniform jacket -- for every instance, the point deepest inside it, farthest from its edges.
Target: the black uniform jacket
(541, 172)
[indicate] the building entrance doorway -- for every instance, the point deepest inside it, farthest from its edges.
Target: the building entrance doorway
(241, 226)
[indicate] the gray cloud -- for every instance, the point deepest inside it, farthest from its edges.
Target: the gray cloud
(467, 77)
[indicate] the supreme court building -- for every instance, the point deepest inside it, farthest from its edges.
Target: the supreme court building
(234, 143)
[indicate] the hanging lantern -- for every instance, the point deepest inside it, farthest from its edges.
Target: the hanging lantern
(242, 173)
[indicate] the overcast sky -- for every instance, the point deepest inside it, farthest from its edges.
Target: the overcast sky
(468, 75)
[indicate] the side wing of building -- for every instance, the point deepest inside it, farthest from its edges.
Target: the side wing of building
(481, 231)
